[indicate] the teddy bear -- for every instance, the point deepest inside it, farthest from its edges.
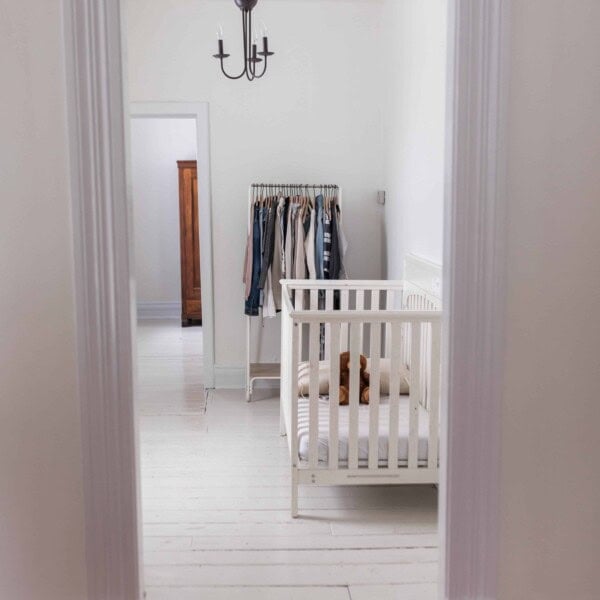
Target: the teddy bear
(345, 379)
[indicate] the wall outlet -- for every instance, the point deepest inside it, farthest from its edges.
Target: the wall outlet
(381, 197)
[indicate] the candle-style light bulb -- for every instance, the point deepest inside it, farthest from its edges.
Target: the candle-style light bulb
(254, 58)
(264, 32)
(220, 51)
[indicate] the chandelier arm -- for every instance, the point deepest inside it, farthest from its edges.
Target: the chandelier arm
(247, 23)
(247, 26)
(231, 76)
(264, 69)
(251, 66)
(244, 72)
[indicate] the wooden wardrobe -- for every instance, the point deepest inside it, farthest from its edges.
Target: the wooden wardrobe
(189, 223)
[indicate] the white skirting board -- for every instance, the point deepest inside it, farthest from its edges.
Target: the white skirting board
(159, 310)
(235, 378)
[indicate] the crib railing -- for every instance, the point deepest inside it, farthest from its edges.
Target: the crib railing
(383, 320)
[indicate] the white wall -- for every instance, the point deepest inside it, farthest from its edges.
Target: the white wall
(414, 89)
(551, 418)
(41, 496)
(315, 117)
(156, 146)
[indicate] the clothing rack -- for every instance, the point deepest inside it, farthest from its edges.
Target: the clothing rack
(328, 186)
(271, 371)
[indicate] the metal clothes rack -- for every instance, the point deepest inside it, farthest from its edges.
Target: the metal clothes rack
(271, 371)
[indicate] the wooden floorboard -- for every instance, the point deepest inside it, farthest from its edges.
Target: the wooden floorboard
(216, 499)
(250, 593)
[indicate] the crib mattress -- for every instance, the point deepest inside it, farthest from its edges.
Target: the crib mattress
(363, 432)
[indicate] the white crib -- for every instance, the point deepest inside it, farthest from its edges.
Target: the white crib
(395, 438)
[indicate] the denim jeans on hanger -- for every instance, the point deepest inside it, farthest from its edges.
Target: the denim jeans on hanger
(253, 301)
(269, 238)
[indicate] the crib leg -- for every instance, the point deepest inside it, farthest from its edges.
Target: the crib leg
(294, 493)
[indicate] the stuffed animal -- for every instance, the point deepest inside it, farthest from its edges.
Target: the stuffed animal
(345, 379)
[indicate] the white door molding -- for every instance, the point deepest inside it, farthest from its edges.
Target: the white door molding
(104, 319)
(199, 111)
(474, 261)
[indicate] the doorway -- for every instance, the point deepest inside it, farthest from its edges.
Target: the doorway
(468, 193)
(170, 192)
(166, 220)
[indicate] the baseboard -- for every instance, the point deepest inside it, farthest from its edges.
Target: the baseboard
(234, 378)
(158, 310)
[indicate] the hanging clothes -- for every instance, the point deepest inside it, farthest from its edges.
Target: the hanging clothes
(299, 254)
(288, 252)
(319, 239)
(326, 245)
(309, 246)
(269, 244)
(247, 277)
(342, 246)
(277, 256)
(336, 258)
(253, 301)
(291, 237)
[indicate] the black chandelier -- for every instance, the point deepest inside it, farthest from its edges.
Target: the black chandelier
(251, 54)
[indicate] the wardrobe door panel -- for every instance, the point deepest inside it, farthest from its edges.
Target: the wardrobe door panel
(191, 298)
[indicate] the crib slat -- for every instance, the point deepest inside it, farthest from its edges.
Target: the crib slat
(415, 396)
(389, 305)
(313, 391)
(292, 374)
(375, 305)
(344, 303)
(354, 394)
(405, 349)
(374, 299)
(360, 304)
(328, 306)
(299, 305)
(434, 397)
(394, 342)
(334, 395)
(425, 356)
(374, 385)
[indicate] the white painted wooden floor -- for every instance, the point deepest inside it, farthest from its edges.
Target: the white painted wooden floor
(215, 484)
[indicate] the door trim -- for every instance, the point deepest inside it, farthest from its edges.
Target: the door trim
(104, 294)
(199, 111)
(474, 291)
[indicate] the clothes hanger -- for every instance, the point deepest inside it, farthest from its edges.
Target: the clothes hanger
(304, 207)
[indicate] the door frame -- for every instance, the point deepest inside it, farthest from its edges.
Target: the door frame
(199, 111)
(474, 264)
